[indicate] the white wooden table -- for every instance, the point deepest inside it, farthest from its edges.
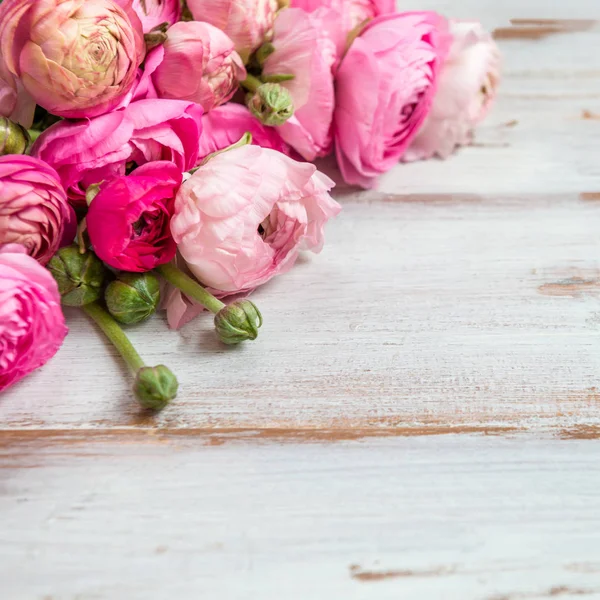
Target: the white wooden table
(418, 419)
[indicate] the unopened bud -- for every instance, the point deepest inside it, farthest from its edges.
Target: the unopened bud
(79, 276)
(271, 104)
(237, 322)
(14, 139)
(155, 387)
(132, 297)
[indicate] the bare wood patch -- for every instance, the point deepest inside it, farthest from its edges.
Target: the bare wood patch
(356, 572)
(537, 29)
(576, 285)
(588, 115)
(590, 196)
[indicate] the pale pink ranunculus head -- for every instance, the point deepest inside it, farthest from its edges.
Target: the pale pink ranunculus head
(88, 152)
(247, 22)
(352, 12)
(226, 125)
(385, 86)
(32, 325)
(243, 217)
(304, 49)
(76, 58)
(34, 210)
(467, 87)
(200, 64)
(153, 13)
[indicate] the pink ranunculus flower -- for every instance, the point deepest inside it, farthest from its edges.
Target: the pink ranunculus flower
(353, 12)
(153, 13)
(304, 49)
(226, 125)
(243, 217)
(15, 102)
(34, 210)
(385, 86)
(200, 64)
(76, 58)
(467, 87)
(32, 326)
(247, 22)
(96, 150)
(128, 221)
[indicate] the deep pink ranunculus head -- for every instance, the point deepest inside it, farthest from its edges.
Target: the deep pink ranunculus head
(200, 64)
(226, 125)
(156, 12)
(96, 150)
(128, 221)
(243, 217)
(385, 86)
(467, 87)
(247, 22)
(304, 49)
(34, 210)
(76, 58)
(32, 326)
(353, 12)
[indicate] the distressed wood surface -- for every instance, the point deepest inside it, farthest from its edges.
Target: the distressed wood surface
(460, 298)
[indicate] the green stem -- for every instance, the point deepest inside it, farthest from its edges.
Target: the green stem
(115, 334)
(190, 287)
(243, 141)
(251, 83)
(34, 134)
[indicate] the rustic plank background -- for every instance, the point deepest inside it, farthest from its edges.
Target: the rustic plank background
(418, 419)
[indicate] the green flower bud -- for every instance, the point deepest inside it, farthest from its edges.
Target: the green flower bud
(237, 322)
(155, 387)
(133, 297)
(271, 104)
(14, 139)
(79, 276)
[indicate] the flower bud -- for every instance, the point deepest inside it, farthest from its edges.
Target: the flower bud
(237, 322)
(155, 387)
(79, 276)
(133, 297)
(14, 139)
(271, 104)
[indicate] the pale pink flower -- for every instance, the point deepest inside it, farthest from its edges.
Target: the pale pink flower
(15, 102)
(76, 58)
(384, 89)
(247, 22)
(467, 87)
(353, 12)
(156, 12)
(32, 326)
(243, 217)
(200, 64)
(304, 49)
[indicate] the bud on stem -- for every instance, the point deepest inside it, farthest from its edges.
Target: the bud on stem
(132, 297)
(271, 104)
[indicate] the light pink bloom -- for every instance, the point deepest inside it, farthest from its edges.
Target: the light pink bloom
(15, 101)
(200, 64)
(467, 88)
(32, 326)
(247, 22)
(96, 150)
(226, 125)
(385, 86)
(304, 49)
(33, 206)
(353, 12)
(156, 12)
(243, 217)
(76, 58)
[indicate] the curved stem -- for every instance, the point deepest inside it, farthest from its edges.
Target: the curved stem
(190, 287)
(115, 334)
(251, 83)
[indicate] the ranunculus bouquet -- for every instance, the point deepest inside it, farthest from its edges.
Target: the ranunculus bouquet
(158, 154)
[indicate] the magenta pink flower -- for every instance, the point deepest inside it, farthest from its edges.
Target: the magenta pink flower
(200, 64)
(128, 221)
(243, 217)
(353, 12)
(96, 150)
(33, 206)
(247, 22)
(467, 88)
(226, 125)
(32, 326)
(385, 86)
(304, 49)
(77, 58)
(156, 12)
